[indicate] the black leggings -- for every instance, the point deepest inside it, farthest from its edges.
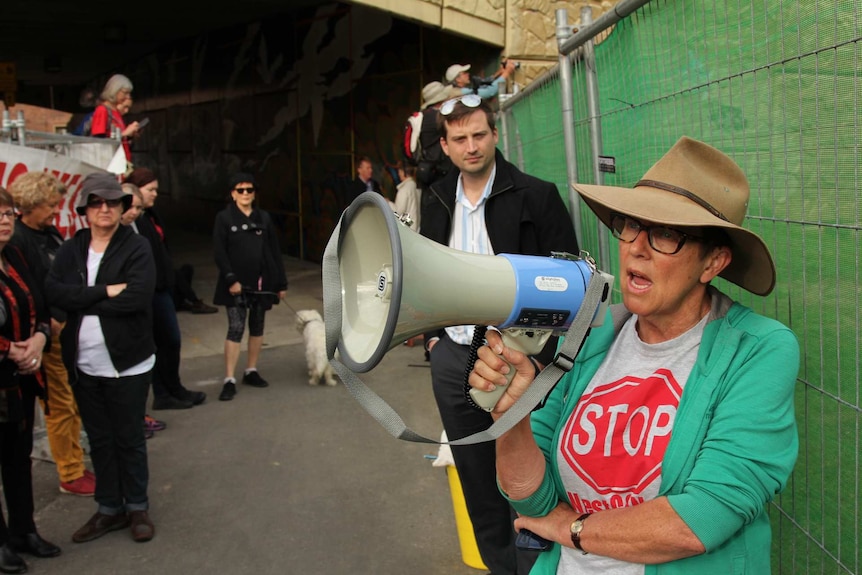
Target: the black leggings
(236, 322)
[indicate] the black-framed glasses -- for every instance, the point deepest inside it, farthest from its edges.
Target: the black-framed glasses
(244, 190)
(9, 215)
(97, 202)
(662, 239)
(469, 100)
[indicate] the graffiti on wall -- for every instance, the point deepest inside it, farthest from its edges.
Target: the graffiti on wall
(292, 99)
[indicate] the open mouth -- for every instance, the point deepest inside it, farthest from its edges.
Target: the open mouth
(639, 281)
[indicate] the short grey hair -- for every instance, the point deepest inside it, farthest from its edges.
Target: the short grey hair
(113, 86)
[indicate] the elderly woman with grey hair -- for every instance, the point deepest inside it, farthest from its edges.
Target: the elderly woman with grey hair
(107, 118)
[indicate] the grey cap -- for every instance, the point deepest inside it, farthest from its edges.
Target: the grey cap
(103, 185)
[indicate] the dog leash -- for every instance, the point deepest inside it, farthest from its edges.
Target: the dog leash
(284, 301)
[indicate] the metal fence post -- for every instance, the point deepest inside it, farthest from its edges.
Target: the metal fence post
(595, 127)
(564, 31)
(504, 127)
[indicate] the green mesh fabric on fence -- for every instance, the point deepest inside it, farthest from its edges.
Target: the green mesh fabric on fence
(777, 86)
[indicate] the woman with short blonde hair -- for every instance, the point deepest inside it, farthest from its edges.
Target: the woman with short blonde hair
(34, 189)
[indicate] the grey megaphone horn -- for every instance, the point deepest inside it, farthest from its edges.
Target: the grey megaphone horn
(396, 284)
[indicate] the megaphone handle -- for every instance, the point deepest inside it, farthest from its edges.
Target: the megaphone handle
(488, 399)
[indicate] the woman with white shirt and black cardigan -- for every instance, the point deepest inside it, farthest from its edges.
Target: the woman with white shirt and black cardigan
(104, 278)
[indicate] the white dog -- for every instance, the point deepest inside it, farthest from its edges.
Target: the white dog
(310, 325)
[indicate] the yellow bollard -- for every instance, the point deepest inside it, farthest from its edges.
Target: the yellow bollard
(469, 550)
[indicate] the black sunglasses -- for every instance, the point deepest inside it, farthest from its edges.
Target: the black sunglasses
(98, 202)
(244, 190)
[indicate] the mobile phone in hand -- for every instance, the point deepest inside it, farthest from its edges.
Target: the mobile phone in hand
(530, 541)
(142, 123)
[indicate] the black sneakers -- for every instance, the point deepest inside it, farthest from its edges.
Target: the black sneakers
(228, 391)
(251, 378)
(254, 379)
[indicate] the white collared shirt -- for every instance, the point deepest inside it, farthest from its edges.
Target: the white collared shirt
(469, 234)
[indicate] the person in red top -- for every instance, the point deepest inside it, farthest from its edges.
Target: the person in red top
(108, 119)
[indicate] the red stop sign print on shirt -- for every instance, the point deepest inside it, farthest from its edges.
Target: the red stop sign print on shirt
(616, 437)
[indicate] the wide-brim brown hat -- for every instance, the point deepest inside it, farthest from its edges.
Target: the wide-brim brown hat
(694, 185)
(433, 93)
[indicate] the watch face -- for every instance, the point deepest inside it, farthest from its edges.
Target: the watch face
(577, 526)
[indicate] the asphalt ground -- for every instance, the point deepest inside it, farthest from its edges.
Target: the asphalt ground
(287, 479)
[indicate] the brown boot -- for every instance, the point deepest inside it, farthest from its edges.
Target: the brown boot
(98, 525)
(142, 528)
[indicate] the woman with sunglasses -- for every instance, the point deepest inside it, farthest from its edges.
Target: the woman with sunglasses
(251, 277)
(660, 450)
(104, 279)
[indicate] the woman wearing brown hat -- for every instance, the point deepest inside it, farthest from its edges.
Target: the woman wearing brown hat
(674, 429)
(104, 279)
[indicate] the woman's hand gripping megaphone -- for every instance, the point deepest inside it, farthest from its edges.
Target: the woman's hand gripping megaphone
(501, 374)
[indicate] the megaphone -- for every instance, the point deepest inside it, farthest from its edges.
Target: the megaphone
(396, 284)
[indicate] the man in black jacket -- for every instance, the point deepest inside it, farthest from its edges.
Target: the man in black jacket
(364, 181)
(487, 206)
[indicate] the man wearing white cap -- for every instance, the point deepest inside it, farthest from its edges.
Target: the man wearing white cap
(458, 75)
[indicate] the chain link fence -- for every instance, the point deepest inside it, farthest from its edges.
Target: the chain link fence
(776, 85)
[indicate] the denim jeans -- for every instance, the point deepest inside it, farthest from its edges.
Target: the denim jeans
(112, 410)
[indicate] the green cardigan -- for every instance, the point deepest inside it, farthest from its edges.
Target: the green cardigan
(733, 445)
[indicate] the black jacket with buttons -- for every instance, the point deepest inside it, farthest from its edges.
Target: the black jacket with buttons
(247, 251)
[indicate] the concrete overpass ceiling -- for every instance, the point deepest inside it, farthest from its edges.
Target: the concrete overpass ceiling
(68, 43)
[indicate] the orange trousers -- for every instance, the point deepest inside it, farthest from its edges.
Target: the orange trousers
(63, 422)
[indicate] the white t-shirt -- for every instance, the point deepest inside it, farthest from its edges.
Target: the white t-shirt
(611, 448)
(93, 356)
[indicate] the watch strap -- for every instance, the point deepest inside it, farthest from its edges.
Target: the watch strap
(577, 526)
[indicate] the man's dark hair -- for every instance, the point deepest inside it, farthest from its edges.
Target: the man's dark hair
(459, 112)
(360, 159)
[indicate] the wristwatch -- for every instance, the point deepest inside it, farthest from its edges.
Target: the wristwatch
(577, 526)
